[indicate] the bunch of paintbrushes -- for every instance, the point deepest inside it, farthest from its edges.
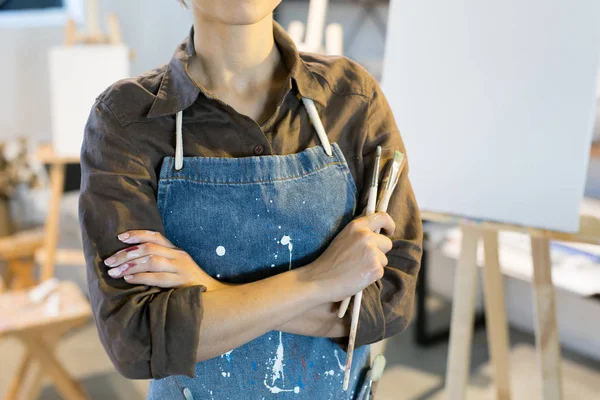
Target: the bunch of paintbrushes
(379, 203)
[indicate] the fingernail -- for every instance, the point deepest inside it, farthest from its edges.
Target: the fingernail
(123, 236)
(118, 271)
(110, 260)
(127, 277)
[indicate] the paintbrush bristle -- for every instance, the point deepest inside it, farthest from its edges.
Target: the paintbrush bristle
(398, 156)
(377, 367)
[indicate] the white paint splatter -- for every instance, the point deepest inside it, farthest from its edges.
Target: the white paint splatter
(270, 201)
(279, 226)
(303, 202)
(288, 240)
(277, 371)
(275, 389)
(227, 354)
(272, 265)
(330, 372)
(220, 251)
(218, 275)
(278, 363)
(275, 255)
(342, 367)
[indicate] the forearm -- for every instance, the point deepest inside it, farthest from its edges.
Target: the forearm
(321, 320)
(237, 314)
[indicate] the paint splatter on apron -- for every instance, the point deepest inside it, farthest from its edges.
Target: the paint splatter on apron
(248, 218)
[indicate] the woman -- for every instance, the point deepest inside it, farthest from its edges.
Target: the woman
(219, 215)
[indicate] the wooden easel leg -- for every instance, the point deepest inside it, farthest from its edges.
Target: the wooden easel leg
(495, 314)
(57, 181)
(463, 311)
(22, 273)
(36, 384)
(67, 387)
(52, 339)
(17, 381)
(546, 332)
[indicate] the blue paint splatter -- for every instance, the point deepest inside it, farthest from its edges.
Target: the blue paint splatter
(252, 382)
(311, 364)
(253, 365)
(299, 383)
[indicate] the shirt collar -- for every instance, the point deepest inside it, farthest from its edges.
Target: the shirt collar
(178, 91)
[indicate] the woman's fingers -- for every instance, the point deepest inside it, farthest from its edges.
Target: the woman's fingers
(383, 242)
(150, 263)
(138, 251)
(380, 220)
(160, 279)
(145, 236)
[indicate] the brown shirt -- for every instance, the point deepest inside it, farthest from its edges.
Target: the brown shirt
(150, 332)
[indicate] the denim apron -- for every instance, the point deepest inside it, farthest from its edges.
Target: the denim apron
(248, 218)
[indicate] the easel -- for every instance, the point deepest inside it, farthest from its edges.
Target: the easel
(463, 307)
(37, 330)
(309, 37)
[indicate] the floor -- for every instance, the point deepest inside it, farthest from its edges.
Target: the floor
(412, 373)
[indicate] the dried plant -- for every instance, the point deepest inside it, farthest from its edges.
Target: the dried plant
(18, 166)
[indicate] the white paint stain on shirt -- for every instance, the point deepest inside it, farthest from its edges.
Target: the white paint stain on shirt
(220, 251)
(330, 372)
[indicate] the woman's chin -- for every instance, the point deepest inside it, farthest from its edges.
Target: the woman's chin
(239, 12)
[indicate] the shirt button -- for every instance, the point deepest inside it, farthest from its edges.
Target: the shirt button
(258, 149)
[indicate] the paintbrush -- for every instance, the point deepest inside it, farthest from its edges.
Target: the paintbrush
(394, 173)
(371, 204)
(373, 376)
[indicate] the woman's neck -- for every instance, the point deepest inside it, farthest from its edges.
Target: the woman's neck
(241, 58)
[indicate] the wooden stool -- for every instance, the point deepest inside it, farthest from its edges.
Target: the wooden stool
(40, 331)
(18, 251)
(463, 305)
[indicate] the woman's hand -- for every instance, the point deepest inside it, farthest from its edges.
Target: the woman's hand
(154, 261)
(355, 258)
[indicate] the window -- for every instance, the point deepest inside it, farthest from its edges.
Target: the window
(38, 13)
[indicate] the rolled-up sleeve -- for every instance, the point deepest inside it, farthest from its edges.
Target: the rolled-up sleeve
(148, 332)
(387, 304)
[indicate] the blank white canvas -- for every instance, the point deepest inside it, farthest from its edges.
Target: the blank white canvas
(495, 100)
(78, 74)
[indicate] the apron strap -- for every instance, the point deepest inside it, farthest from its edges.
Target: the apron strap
(311, 109)
(179, 141)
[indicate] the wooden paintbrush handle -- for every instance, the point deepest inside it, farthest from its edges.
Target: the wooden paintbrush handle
(352, 338)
